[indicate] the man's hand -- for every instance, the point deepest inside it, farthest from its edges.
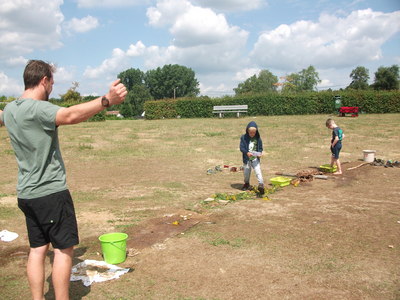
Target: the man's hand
(117, 93)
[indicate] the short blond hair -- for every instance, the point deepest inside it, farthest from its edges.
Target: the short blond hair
(329, 122)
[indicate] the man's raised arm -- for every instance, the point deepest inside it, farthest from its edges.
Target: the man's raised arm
(81, 112)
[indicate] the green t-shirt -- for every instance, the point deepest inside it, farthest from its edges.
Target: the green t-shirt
(34, 137)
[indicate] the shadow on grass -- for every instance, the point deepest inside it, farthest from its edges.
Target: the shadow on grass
(76, 289)
(237, 186)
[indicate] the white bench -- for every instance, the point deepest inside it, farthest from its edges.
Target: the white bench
(229, 108)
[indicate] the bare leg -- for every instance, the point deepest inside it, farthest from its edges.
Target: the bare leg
(332, 161)
(62, 272)
(35, 271)
(339, 168)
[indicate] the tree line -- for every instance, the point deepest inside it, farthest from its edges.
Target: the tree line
(176, 81)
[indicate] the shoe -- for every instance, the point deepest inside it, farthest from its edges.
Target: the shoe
(261, 189)
(246, 186)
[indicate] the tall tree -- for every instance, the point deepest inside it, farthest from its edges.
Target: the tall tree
(172, 81)
(360, 77)
(263, 83)
(138, 93)
(131, 77)
(134, 101)
(305, 80)
(387, 78)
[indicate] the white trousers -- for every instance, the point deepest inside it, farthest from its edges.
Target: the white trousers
(255, 164)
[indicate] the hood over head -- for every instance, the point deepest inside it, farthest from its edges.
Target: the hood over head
(252, 124)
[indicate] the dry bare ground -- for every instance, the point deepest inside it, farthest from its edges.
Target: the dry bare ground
(327, 239)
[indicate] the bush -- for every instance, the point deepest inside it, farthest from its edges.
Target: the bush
(277, 104)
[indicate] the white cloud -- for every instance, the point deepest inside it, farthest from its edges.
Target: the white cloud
(244, 74)
(110, 3)
(200, 26)
(18, 61)
(109, 67)
(63, 75)
(202, 39)
(81, 25)
(325, 83)
(9, 86)
(232, 5)
(330, 42)
(136, 50)
(29, 25)
(166, 12)
(215, 90)
(193, 25)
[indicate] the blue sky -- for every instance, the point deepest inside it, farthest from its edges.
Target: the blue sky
(223, 41)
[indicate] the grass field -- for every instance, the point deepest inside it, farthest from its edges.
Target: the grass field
(327, 239)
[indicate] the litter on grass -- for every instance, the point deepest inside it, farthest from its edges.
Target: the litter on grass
(391, 163)
(90, 271)
(8, 236)
(225, 168)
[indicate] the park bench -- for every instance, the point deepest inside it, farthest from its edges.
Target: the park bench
(353, 110)
(221, 109)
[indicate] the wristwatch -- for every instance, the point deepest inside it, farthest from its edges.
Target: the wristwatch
(105, 102)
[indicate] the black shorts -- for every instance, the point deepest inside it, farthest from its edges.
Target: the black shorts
(336, 150)
(51, 219)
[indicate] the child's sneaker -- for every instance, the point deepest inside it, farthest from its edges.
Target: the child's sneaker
(261, 189)
(246, 186)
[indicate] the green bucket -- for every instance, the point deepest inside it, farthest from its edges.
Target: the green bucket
(113, 246)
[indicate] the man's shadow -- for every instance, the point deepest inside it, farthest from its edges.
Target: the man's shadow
(76, 289)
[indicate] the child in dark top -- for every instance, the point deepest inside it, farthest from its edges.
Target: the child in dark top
(251, 147)
(336, 144)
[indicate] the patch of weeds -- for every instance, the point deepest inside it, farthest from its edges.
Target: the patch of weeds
(84, 196)
(219, 241)
(190, 298)
(125, 219)
(12, 280)
(8, 212)
(122, 226)
(161, 196)
(83, 147)
(215, 239)
(3, 195)
(224, 198)
(174, 185)
(8, 152)
(212, 134)
(235, 243)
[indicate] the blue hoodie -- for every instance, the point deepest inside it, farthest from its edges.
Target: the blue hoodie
(245, 140)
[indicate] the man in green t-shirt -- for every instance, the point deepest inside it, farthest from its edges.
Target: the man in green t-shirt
(32, 124)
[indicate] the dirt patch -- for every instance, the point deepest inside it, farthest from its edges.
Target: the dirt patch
(157, 230)
(13, 253)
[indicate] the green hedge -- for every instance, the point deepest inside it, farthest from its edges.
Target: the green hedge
(277, 104)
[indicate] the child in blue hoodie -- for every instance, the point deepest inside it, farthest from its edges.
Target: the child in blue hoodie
(252, 149)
